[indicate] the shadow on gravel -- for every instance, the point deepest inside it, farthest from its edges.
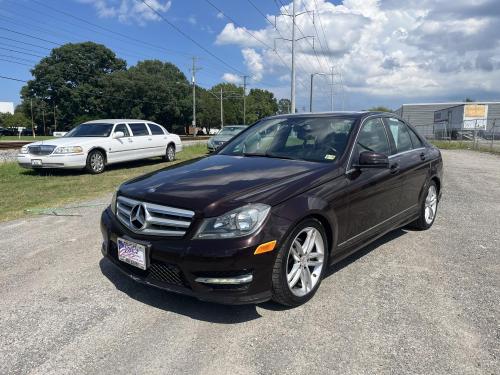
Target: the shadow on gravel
(212, 312)
(176, 303)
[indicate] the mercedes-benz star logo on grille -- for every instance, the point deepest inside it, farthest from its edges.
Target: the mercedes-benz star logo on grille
(138, 217)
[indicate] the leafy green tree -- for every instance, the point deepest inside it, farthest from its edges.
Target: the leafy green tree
(260, 103)
(380, 109)
(70, 78)
(284, 106)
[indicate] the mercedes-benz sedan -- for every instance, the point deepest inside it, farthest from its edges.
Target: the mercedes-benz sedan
(267, 214)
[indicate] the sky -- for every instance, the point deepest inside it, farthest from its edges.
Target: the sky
(366, 52)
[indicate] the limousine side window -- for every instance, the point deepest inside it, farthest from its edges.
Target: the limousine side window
(400, 134)
(155, 129)
(138, 129)
(373, 137)
(122, 128)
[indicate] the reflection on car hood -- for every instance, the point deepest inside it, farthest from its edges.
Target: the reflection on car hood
(221, 138)
(218, 183)
(70, 141)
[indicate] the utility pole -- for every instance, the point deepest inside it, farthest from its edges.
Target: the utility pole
(244, 99)
(55, 121)
(32, 121)
(331, 91)
(311, 94)
(293, 57)
(194, 69)
(43, 117)
(222, 109)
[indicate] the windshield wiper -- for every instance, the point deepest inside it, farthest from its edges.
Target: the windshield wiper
(268, 155)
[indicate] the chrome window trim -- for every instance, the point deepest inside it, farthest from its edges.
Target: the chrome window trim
(406, 152)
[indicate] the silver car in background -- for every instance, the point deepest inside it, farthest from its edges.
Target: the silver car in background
(224, 135)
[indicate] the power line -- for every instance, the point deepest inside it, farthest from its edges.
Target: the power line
(14, 62)
(13, 79)
(29, 36)
(24, 53)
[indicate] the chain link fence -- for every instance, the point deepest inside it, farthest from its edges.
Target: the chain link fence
(474, 134)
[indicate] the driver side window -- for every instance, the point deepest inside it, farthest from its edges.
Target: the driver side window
(122, 128)
(373, 137)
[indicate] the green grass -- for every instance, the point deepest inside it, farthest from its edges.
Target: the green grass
(25, 189)
(24, 138)
(464, 145)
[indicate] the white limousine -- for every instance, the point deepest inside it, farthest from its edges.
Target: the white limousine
(95, 144)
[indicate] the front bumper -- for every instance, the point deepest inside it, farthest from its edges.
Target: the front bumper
(184, 265)
(71, 161)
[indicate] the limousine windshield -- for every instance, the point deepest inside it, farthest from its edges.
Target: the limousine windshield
(91, 130)
(318, 139)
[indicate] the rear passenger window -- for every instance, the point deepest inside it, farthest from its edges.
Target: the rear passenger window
(138, 129)
(400, 134)
(415, 140)
(155, 129)
(122, 128)
(373, 137)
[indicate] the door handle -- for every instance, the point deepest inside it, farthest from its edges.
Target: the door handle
(130, 141)
(150, 139)
(394, 168)
(422, 156)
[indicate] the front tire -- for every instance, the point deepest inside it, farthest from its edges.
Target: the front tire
(170, 153)
(96, 162)
(300, 264)
(428, 208)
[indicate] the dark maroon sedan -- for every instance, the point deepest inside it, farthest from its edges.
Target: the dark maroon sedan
(266, 214)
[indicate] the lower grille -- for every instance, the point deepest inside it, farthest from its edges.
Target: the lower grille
(158, 271)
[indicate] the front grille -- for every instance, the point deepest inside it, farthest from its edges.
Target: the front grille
(41, 150)
(148, 218)
(157, 271)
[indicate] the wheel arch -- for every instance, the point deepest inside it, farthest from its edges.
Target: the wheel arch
(101, 149)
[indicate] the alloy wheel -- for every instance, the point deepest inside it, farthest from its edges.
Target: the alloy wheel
(430, 204)
(305, 261)
(97, 162)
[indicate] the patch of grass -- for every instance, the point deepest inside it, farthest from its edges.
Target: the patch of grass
(464, 145)
(23, 189)
(25, 138)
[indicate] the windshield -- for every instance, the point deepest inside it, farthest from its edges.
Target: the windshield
(320, 139)
(230, 130)
(90, 130)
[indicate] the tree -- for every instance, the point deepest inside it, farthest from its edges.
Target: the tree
(260, 103)
(284, 106)
(70, 78)
(469, 100)
(380, 109)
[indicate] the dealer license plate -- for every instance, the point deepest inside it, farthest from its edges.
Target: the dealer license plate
(132, 253)
(36, 162)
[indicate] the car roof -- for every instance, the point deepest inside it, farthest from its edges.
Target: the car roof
(116, 121)
(356, 114)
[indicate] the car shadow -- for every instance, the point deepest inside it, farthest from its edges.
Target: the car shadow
(177, 303)
(212, 312)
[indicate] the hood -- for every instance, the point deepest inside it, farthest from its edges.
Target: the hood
(71, 141)
(222, 138)
(216, 184)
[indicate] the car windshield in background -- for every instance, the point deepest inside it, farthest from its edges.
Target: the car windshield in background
(320, 139)
(91, 130)
(230, 130)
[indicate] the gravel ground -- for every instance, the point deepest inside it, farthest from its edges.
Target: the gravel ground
(414, 302)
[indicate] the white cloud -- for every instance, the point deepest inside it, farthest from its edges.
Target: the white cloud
(219, 15)
(384, 49)
(129, 10)
(192, 20)
(231, 78)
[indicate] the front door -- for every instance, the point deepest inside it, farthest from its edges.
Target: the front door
(120, 148)
(373, 192)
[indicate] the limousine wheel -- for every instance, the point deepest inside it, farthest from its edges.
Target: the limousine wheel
(428, 208)
(300, 264)
(95, 162)
(170, 153)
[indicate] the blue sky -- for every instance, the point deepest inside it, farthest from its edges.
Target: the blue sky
(382, 52)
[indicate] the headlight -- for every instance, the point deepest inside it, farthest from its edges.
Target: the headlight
(68, 150)
(24, 150)
(237, 223)
(113, 203)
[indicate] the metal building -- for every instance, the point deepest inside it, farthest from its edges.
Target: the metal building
(421, 115)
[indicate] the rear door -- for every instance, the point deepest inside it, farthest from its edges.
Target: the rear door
(159, 139)
(373, 192)
(411, 156)
(142, 145)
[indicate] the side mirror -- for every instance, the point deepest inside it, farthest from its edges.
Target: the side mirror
(117, 135)
(369, 159)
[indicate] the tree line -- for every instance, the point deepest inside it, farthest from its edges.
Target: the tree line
(78, 82)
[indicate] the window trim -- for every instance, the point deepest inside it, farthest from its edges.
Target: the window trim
(163, 131)
(142, 135)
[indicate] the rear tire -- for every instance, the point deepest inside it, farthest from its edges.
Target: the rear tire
(170, 153)
(428, 208)
(96, 162)
(300, 265)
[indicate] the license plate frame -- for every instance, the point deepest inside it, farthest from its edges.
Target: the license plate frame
(36, 163)
(133, 253)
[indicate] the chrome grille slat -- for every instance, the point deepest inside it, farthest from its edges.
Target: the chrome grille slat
(41, 150)
(159, 220)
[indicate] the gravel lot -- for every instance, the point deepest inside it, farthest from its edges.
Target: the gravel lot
(414, 302)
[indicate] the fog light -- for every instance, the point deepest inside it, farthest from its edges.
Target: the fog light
(265, 247)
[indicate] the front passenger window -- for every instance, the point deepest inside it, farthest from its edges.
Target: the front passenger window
(373, 137)
(122, 128)
(400, 134)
